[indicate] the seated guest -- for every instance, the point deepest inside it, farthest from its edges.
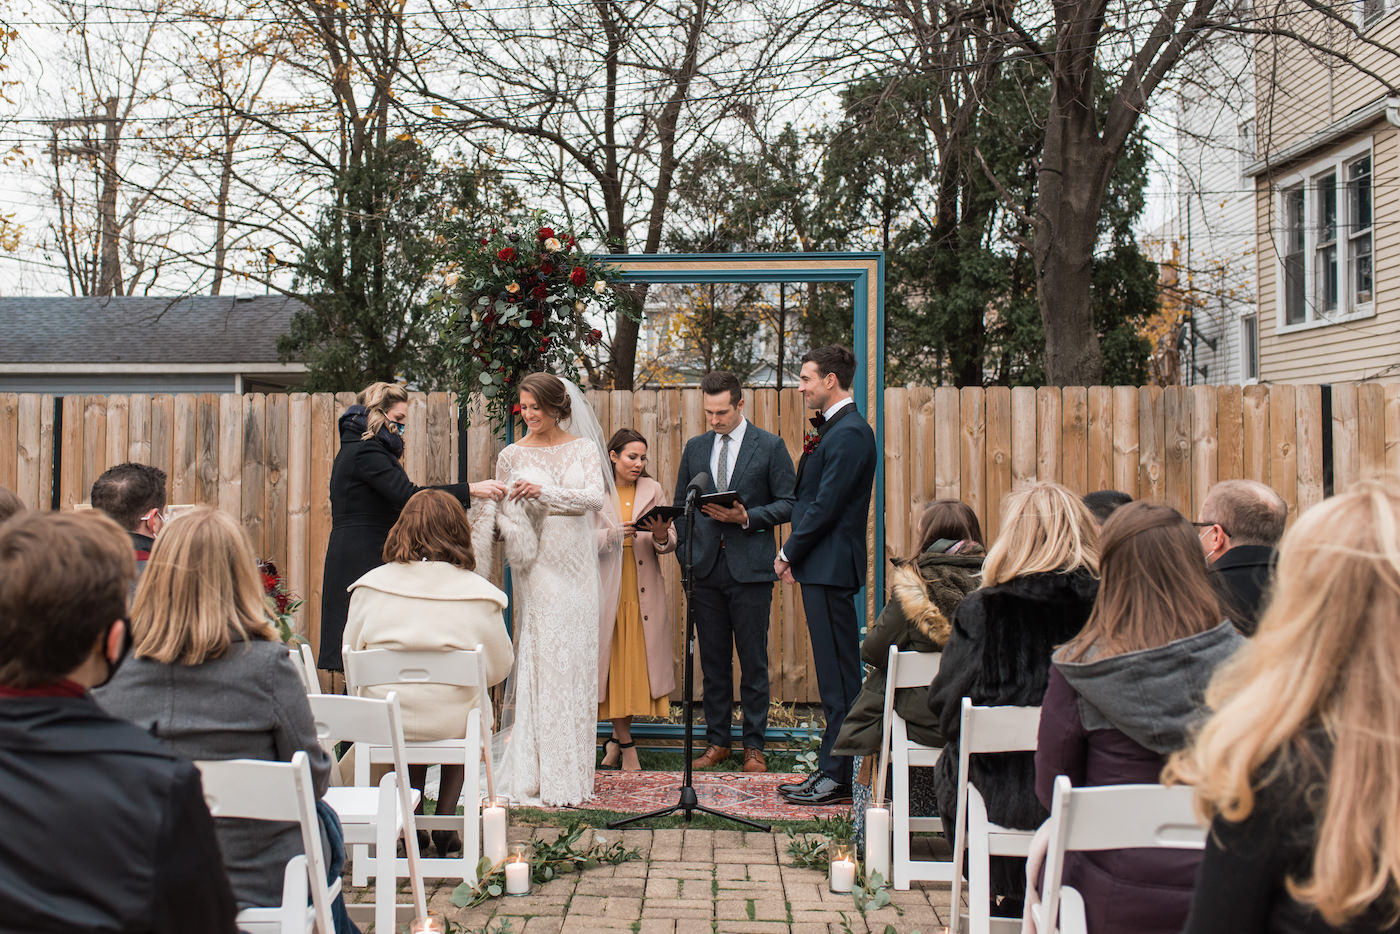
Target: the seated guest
(209, 677)
(1122, 696)
(1298, 768)
(1038, 586)
(105, 829)
(9, 504)
(1102, 503)
(427, 597)
(1241, 523)
(134, 496)
(925, 590)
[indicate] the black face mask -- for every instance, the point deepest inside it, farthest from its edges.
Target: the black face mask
(112, 666)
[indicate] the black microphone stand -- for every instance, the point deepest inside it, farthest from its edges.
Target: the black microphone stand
(688, 802)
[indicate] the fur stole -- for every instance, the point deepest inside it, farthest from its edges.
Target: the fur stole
(518, 523)
(908, 589)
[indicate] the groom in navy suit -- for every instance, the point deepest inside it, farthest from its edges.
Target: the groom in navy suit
(826, 552)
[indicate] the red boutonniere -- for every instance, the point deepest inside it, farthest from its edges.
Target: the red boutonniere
(810, 441)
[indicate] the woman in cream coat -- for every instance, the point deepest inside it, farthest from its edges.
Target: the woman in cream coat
(635, 675)
(427, 596)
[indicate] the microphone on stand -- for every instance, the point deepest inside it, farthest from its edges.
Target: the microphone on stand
(697, 486)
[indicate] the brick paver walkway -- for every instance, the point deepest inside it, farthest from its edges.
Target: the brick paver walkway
(696, 882)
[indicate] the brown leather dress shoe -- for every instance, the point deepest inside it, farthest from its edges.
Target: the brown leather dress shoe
(712, 756)
(753, 760)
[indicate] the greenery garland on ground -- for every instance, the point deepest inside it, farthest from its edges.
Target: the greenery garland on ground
(526, 297)
(564, 854)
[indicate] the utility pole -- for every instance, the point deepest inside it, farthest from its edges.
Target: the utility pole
(100, 273)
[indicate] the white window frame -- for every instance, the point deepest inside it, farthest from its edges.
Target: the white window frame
(1387, 7)
(1249, 347)
(1347, 309)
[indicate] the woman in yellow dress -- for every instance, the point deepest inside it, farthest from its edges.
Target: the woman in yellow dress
(636, 671)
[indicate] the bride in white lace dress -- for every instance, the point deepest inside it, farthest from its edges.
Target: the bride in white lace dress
(558, 599)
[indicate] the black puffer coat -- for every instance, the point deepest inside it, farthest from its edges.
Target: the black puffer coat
(923, 598)
(999, 655)
(369, 488)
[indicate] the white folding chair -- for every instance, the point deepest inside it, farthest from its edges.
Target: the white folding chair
(975, 837)
(257, 789)
(1108, 817)
(909, 670)
(460, 667)
(369, 815)
(305, 660)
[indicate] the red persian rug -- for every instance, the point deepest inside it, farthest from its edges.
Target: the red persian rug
(744, 794)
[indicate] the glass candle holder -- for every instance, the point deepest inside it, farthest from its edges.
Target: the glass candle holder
(494, 823)
(877, 842)
(517, 869)
(841, 876)
(431, 924)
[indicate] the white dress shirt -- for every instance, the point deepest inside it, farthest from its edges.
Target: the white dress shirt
(736, 438)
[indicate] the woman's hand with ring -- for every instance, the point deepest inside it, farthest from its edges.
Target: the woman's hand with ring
(523, 490)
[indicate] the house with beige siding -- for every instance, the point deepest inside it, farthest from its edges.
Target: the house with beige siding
(1327, 201)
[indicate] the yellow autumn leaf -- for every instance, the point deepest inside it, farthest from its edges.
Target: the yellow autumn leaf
(404, 137)
(437, 110)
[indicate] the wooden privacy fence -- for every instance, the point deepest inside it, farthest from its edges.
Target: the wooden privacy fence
(267, 459)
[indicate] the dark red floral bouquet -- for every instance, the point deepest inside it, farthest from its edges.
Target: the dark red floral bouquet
(526, 298)
(283, 603)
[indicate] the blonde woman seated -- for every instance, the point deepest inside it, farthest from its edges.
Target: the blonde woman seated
(427, 597)
(209, 677)
(1298, 768)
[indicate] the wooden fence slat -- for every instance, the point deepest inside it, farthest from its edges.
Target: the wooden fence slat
(1126, 447)
(947, 451)
(275, 474)
(1099, 430)
(1310, 475)
(415, 440)
(209, 445)
(1370, 430)
(999, 448)
(1074, 439)
(1255, 435)
(1176, 463)
(973, 466)
(118, 420)
(30, 445)
(1346, 454)
(1024, 426)
(441, 434)
(1229, 451)
(71, 489)
(254, 461)
(138, 444)
(1392, 430)
(324, 444)
(1047, 433)
(94, 442)
(922, 434)
(1152, 441)
(163, 435)
(1283, 444)
(9, 441)
(294, 573)
(1205, 445)
(184, 484)
(231, 454)
(900, 515)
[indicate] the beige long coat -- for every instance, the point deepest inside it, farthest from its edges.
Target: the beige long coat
(430, 606)
(656, 627)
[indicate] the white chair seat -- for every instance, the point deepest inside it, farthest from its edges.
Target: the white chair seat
(359, 808)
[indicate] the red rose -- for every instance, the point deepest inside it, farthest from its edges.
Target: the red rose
(579, 276)
(506, 254)
(515, 409)
(546, 268)
(484, 241)
(594, 336)
(545, 233)
(572, 243)
(539, 293)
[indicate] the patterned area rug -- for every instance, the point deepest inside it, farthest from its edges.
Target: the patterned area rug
(743, 794)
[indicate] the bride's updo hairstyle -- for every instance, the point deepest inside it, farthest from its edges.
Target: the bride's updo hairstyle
(549, 392)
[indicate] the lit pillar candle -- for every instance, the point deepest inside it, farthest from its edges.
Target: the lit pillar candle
(518, 871)
(493, 830)
(842, 875)
(877, 842)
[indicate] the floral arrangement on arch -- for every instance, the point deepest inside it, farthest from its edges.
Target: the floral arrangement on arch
(529, 299)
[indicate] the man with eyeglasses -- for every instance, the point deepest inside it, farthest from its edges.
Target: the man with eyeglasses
(1240, 526)
(134, 496)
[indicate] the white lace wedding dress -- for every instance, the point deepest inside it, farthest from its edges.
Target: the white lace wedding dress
(549, 754)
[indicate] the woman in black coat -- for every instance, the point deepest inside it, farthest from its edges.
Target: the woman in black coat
(1038, 587)
(369, 487)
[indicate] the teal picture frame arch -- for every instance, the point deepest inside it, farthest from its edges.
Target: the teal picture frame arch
(865, 273)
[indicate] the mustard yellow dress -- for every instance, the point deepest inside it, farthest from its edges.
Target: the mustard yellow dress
(629, 687)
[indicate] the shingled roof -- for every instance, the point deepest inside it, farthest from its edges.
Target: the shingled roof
(140, 329)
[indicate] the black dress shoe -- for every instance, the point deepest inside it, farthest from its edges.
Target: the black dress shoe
(827, 790)
(805, 785)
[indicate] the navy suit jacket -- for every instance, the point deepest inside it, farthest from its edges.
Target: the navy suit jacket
(763, 478)
(829, 519)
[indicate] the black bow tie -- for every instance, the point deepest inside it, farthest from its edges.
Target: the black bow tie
(818, 420)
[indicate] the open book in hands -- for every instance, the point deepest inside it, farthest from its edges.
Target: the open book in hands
(727, 498)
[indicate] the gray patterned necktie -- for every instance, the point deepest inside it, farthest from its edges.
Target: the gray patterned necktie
(722, 480)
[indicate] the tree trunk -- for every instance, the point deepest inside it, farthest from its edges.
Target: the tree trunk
(110, 277)
(1073, 179)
